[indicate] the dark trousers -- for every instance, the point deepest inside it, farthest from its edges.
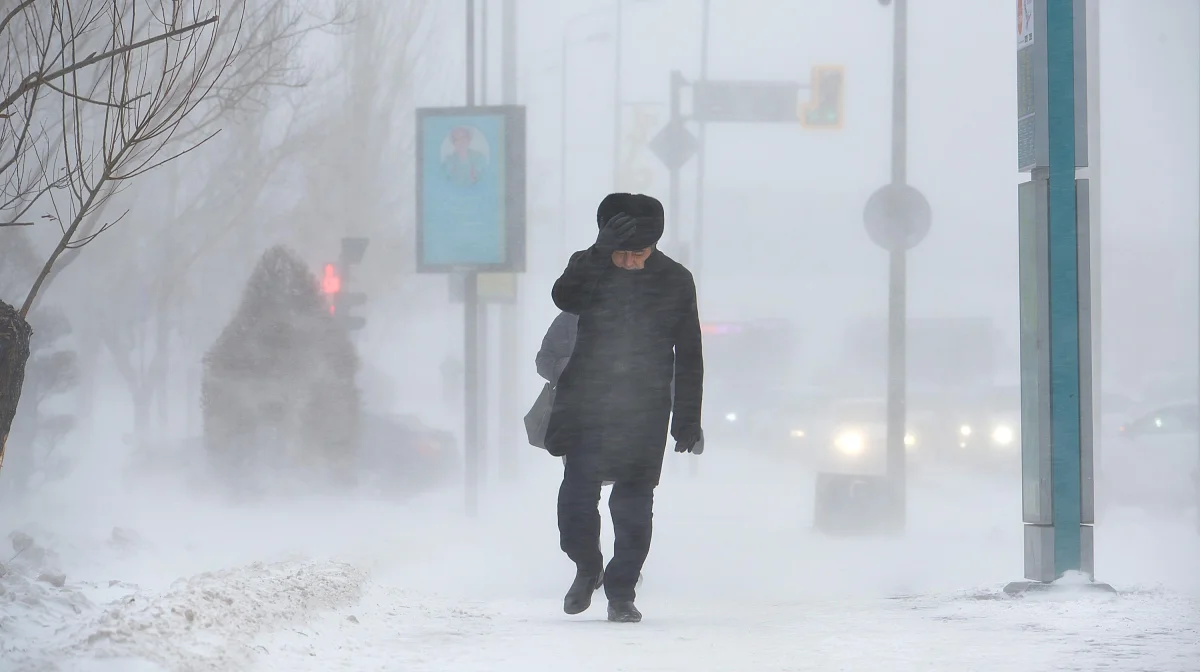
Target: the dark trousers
(632, 507)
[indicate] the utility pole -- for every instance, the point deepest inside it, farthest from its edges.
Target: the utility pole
(617, 49)
(698, 235)
(562, 150)
(485, 53)
(483, 385)
(897, 373)
(697, 251)
(510, 315)
(898, 218)
(676, 121)
(471, 324)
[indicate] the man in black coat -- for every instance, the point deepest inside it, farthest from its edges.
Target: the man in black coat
(638, 329)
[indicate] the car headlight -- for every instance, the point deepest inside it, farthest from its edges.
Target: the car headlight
(965, 430)
(1003, 435)
(798, 434)
(850, 443)
(731, 417)
(910, 441)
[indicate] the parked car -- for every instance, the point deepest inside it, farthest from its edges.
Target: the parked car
(1154, 462)
(399, 454)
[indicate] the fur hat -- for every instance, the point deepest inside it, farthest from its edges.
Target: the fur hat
(647, 209)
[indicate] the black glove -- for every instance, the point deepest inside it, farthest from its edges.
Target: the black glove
(618, 229)
(690, 442)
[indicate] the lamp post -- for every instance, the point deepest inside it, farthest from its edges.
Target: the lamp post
(562, 158)
(617, 53)
(619, 9)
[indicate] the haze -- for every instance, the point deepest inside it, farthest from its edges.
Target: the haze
(396, 576)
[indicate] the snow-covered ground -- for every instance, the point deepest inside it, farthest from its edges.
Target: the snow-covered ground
(154, 580)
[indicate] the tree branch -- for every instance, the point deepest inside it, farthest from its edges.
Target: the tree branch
(34, 80)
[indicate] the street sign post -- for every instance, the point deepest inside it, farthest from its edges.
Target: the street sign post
(1055, 293)
(897, 217)
(471, 218)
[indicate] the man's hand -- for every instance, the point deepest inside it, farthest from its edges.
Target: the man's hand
(690, 442)
(618, 229)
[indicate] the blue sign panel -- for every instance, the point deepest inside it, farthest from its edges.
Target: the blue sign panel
(470, 189)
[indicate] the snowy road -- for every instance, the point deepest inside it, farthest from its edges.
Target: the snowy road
(736, 581)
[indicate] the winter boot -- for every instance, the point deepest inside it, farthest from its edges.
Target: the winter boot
(623, 611)
(579, 595)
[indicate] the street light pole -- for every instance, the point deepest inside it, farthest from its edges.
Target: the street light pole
(898, 276)
(471, 324)
(510, 315)
(617, 96)
(698, 235)
(696, 255)
(562, 142)
(562, 148)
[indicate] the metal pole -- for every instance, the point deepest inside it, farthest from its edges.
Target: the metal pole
(698, 235)
(897, 276)
(483, 51)
(508, 46)
(673, 194)
(617, 96)
(562, 149)
(484, 314)
(471, 326)
(510, 315)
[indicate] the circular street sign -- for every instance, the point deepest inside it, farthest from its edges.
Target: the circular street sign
(897, 217)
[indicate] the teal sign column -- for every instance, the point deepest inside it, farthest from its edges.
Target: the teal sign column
(1055, 285)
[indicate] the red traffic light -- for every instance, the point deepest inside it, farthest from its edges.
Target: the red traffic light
(331, 282)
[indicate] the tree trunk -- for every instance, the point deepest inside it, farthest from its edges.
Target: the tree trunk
(89, 356)
(14, 353)
(143, 398)
(161, 373)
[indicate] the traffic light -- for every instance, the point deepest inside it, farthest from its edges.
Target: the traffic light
(824, 110)
(331, 283)
(335, 276)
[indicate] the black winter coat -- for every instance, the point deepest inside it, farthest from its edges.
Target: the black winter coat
(637, 330)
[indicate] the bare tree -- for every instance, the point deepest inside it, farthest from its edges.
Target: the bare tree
(217, 198)
(96, 93)
(92, 92)
(138, 334)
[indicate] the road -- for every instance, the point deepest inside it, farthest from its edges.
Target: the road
(736, 581)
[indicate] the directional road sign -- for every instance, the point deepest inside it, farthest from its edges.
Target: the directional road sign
(674, 145)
